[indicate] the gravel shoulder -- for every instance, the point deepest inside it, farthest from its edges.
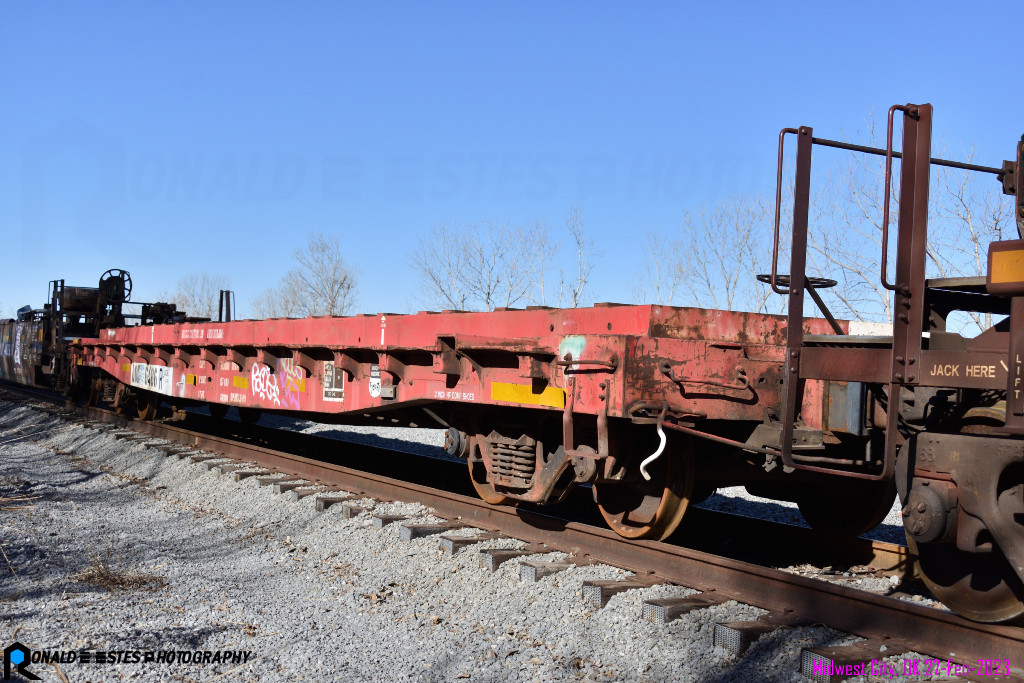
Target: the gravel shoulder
(312, 596)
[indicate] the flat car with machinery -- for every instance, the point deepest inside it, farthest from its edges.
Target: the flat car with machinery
(652, 407)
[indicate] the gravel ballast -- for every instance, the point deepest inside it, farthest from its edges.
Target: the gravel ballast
(195, 561)
(734, 499)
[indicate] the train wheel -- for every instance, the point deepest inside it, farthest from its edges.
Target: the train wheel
(846, 508)
(122, 397)
(478, 476)
(218, 410)
(95, 391)
(979, 586)
(147, 405)
(650, 509)
(702, 492)
(982, 586)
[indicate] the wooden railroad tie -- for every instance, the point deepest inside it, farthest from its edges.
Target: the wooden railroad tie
(410, 531)
(239, 475)
(492, 558)
(324, 502)
(737, 636)
(598, 593)
(451, 544)
(289, 484)
(350, 510)
(381, 520)
(270, 479)
(533, 572)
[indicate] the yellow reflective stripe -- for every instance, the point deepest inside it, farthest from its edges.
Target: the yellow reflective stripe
(1007, 266)
(552, 397)
(241, 382)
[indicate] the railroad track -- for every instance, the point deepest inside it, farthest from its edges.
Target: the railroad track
(790, 599)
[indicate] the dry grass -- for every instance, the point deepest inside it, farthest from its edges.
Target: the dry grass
(7, 559)
(102, 574)
(14, 501)
(344, 571)
(9, 503)
(248, 629)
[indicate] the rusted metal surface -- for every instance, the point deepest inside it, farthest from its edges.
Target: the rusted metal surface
(793, 385)
(1015, 378)
(920, 357)
(339, 365)
(963, 516)
(862, 364)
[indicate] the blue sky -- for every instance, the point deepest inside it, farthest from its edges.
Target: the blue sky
(175, 138)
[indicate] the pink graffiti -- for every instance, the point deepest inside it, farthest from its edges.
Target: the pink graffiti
(262, 384)
(291, 380)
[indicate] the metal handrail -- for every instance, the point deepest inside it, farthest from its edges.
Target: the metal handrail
(889, 155)
(910, 111)
(778, 204)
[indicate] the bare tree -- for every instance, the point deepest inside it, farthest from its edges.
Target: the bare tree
(659, 277)
(481, 267)
(725, 247)
(845, 241)
(714, 260)
(279, 301)
(321, 283)
(199, 294)
(325, 285)
(968, 216)
(541, 253)
(441, 260)
(585, 252)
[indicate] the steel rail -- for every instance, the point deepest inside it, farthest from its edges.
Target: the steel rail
(923, 629)
(748, 534)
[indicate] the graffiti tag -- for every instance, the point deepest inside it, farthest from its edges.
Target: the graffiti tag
(17, 344)
(291, 381)
(263, 385)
